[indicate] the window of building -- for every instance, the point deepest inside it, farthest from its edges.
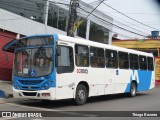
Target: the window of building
(150, 63)
(111, 59)
(133, 61)
(32, 9)
(62, 19)
(142, 62)
(123, 60)
(97, 57)
(82, 55)
(57, 17)
(53, 16)
(81, 30)
(98, 33)
(65, 60)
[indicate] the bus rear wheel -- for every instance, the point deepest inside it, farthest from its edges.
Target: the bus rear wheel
(133, 90)
(81, 95)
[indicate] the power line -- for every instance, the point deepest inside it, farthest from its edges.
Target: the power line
(112, 30)
(136, 13)
(129, 17)
(86, 17)
(94, 9)
(114, 24)
(132, 28)
(128, 22)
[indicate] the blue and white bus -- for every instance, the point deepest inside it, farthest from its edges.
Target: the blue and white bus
(54, 67)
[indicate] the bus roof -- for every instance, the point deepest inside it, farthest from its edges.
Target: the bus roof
(101, 45)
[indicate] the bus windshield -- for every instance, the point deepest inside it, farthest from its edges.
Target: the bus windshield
(33, 62)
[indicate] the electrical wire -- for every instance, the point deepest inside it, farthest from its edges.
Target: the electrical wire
(123, 35)
(130, 17)
(113, 24)
(94, 9)
(85, 11)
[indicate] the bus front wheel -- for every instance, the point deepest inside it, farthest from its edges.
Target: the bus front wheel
(133, 90)
(81, 95)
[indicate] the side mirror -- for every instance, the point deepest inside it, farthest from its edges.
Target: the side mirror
(58, 51)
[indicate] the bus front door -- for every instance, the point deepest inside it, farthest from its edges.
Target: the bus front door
(65, 73)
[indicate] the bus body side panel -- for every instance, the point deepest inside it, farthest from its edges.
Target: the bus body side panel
(96, 80)
(145, 80)
(117, 80)
(153, 82)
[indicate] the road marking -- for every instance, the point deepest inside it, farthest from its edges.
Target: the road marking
(60, 111)
(43, 109)
(8, 118)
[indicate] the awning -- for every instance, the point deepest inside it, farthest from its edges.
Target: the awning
(10, 47)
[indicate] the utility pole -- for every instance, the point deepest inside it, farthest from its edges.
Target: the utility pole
(72, 17)
(73, 23)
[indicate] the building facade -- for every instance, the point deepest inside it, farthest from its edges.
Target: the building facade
(28, 17)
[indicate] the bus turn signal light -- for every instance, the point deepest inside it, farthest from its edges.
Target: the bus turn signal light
(45, 94)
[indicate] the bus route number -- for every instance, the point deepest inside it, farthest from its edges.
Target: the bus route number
(85, 71)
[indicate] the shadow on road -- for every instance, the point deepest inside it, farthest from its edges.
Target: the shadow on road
(70, 102)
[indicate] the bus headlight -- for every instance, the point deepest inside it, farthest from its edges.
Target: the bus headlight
(15, 85)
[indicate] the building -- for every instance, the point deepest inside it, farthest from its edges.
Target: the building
(27, 17)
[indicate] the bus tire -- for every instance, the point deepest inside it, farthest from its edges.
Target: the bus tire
(133, 89)
(81, 95)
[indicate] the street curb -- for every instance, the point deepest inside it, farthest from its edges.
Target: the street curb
(3, 94)
(6, 95)
(2, 100)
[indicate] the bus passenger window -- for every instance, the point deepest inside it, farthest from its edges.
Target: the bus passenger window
(142, 62)
(65, 60)
(82, 55)
(97, 57)
(150, 63)
(133, 58)
(111, 58)
(123, 60)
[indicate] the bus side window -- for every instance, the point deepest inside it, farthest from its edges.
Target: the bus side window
(82, 55)
(123, 60)
(97, 57)
(143, 62)
(65, 60)
(133, 58)
(111, 58)
(150, 63)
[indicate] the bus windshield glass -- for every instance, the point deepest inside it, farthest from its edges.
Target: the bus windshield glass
(33, 62)
(36, 41)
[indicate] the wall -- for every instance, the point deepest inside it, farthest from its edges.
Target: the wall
(6, 59)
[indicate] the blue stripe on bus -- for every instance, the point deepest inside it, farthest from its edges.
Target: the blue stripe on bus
(144, 80)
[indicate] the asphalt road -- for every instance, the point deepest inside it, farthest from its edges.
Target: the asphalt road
(102, 106)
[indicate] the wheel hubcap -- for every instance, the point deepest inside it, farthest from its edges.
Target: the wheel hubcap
(133, 90)
(81, 95)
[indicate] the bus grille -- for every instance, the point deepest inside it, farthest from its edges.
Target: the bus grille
(30, 82)
(29, 93)
(30, 89)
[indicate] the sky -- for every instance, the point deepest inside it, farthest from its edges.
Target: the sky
(144, 11)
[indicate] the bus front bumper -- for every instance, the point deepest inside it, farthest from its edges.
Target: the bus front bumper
(41, 94)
